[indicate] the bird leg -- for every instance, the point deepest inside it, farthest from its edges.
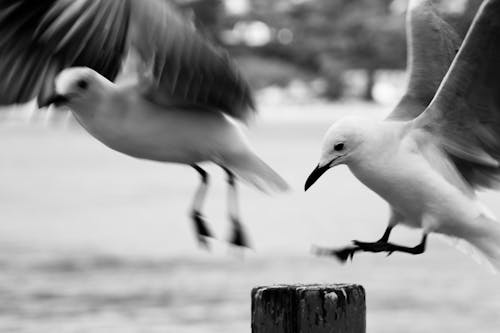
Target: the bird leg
(238, 235)
(202, 231)
(348, 252)
(383, 239)
(382, 245)
(390, 248)
(342, 254)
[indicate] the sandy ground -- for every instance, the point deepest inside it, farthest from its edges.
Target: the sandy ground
(95, 241)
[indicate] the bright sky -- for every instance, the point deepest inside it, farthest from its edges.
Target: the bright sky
(237, 7)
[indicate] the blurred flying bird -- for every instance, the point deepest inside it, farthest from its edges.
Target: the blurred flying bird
(182, 105)
(442, 141)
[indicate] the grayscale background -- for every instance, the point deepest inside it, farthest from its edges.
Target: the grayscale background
(95, 241)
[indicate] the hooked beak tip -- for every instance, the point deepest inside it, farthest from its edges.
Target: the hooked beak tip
(315, 175)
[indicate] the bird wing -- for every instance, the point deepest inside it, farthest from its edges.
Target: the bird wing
(464, 116)
(40, 38)
(435, 30)
(182, 67)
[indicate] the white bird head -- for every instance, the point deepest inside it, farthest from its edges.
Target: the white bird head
(75, 87)
(342, 144)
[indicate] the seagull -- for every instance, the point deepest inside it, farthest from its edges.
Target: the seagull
(183, 100)
(440, 145)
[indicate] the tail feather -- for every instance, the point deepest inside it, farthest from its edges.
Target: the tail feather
(471, 251)
(255, 171)
(486, 239)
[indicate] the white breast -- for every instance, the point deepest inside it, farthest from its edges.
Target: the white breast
(145, 130)
(405, 179)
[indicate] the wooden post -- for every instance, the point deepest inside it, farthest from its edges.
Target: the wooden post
(337, 308)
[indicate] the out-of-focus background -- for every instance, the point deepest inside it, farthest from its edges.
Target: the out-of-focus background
(95, 241)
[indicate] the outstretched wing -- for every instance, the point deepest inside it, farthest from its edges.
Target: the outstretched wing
(40, 38)
(435, 30)
(464, 116)
(184, 68)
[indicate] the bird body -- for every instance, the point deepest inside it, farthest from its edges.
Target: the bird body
(395, 164)
(122, 119)
(418, 180)
(203, 136)
(442, 141)
(181, 102)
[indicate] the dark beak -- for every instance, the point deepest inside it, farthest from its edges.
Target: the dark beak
(314, 176)
(55, 99)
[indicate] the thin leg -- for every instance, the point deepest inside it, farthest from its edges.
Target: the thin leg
(201, 229)
(238, 235)
(390, 248)
(348, 252)
(383, 239)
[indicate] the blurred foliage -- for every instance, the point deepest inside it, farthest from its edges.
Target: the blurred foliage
(264, 71)
(206, 14)
(310, 39)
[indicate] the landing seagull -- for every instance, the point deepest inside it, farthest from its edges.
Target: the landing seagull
(182, 106)
(442, 141)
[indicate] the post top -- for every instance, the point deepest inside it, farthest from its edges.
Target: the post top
(345, 288)
(318, 308)
(314, 286)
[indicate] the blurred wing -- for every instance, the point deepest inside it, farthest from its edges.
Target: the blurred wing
(464, 117)
(181, 67)
(40, 38)
(435, 29)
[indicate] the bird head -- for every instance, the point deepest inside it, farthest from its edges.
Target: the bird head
(73, 86)
(341, 145)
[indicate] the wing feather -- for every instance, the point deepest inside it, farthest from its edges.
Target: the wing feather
(464, 116)
(183, 63)
(434, 35)
(40, 38)
(60, 20)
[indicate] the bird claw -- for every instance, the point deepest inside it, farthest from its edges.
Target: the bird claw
(238, 237)
(360, 244)
(345, 254)
(372, 247)
(342, 255)
(201, 229)
(203, 242)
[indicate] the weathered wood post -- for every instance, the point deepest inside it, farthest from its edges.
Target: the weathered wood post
(336, 308)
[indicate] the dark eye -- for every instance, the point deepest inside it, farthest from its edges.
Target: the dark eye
(339, 147)
(82, 84)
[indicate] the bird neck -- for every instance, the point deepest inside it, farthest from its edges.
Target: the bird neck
(380, 143)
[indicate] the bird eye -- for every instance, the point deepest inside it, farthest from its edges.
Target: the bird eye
(82, 84)
(339, 147)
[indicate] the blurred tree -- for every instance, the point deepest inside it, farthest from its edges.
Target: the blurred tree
(327, 37)
(206, 15)
(320, 38)
(371, 40)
